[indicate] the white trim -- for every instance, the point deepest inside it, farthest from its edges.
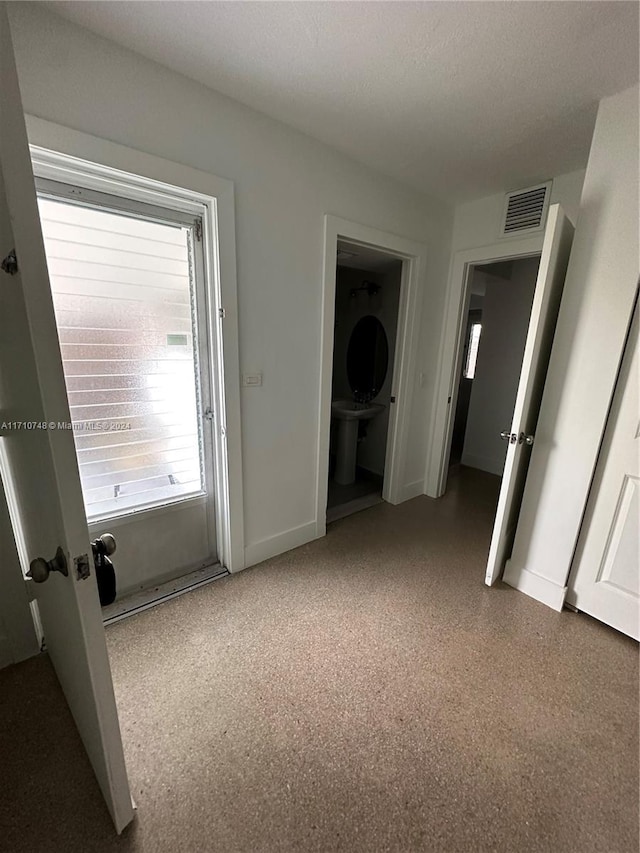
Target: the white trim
(56, 150)
(126, 518)
(272, 546)
(413, 255)
(138, 600)
(411, 490)
(451, 346)
(535, 586)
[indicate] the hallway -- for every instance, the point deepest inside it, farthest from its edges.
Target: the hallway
(365, 692)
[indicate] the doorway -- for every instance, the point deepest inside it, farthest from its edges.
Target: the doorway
(410, 258)
(367, 301)
(511, 527)
(149, 367)
(492, 348)
(127, 280)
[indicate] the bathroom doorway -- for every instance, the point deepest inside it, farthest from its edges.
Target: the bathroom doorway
(367, 301)
(371, 253)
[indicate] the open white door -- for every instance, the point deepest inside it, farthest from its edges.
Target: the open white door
(605, 580)
(38, 463)
(544, 314)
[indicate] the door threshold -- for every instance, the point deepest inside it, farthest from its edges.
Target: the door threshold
(136, 602)
(356, 505)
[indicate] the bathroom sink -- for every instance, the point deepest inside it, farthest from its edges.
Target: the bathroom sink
(349, 410)
(348, 413)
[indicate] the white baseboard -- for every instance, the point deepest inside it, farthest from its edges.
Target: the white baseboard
(535, 586)
(484, 463)
(411, 490)
(278, 544)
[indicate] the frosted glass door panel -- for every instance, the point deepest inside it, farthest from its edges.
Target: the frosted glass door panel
(124, 304)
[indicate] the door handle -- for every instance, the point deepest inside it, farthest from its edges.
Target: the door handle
(103, 547)
(526, 439)
(40, 569)
(105, 544)
(505, 435)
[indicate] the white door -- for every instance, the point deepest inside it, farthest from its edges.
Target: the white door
(521, 433)
(38, 463)
(605, 580)
(129, 295)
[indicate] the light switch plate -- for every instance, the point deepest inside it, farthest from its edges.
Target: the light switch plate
(252, 380)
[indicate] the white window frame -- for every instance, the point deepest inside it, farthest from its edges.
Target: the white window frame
(95, 200)
(70, 157)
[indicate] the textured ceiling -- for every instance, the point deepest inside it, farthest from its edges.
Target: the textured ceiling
(457, 99)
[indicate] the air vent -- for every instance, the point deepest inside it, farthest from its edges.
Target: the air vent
(526, 210)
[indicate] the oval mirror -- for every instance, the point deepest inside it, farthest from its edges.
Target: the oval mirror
(367, 357)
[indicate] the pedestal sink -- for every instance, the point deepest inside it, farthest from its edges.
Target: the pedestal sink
(348, 413)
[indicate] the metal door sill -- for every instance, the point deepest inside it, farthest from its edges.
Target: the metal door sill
(147, 598)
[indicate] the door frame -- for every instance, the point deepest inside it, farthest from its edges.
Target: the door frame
(414, 263)
(58, 151)
(452, 344)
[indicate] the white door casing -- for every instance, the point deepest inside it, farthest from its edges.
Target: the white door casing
(544, 313)
(39, 468)
(452, 348)
(605, 577)
(414, 258)
(60, 153)
(174, 536)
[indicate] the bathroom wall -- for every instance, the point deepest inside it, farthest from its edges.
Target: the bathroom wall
(383, 305)
(505, 319)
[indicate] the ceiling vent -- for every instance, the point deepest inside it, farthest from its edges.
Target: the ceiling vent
(526, 210)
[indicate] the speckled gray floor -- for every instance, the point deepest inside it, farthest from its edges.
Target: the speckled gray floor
(363, 693)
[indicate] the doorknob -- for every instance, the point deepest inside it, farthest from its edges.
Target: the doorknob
(526, 439)
(105, 544)
(40, 569)
(505, 435)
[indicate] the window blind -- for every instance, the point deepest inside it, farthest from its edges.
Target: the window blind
(122, 294)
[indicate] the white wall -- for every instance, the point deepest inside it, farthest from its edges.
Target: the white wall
(599, 292)
(285, 182)
(477, 222)
(384, 305)
(506, 310)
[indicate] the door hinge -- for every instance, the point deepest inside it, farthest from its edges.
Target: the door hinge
(197, 229)
(208, 414)
(222, 313)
